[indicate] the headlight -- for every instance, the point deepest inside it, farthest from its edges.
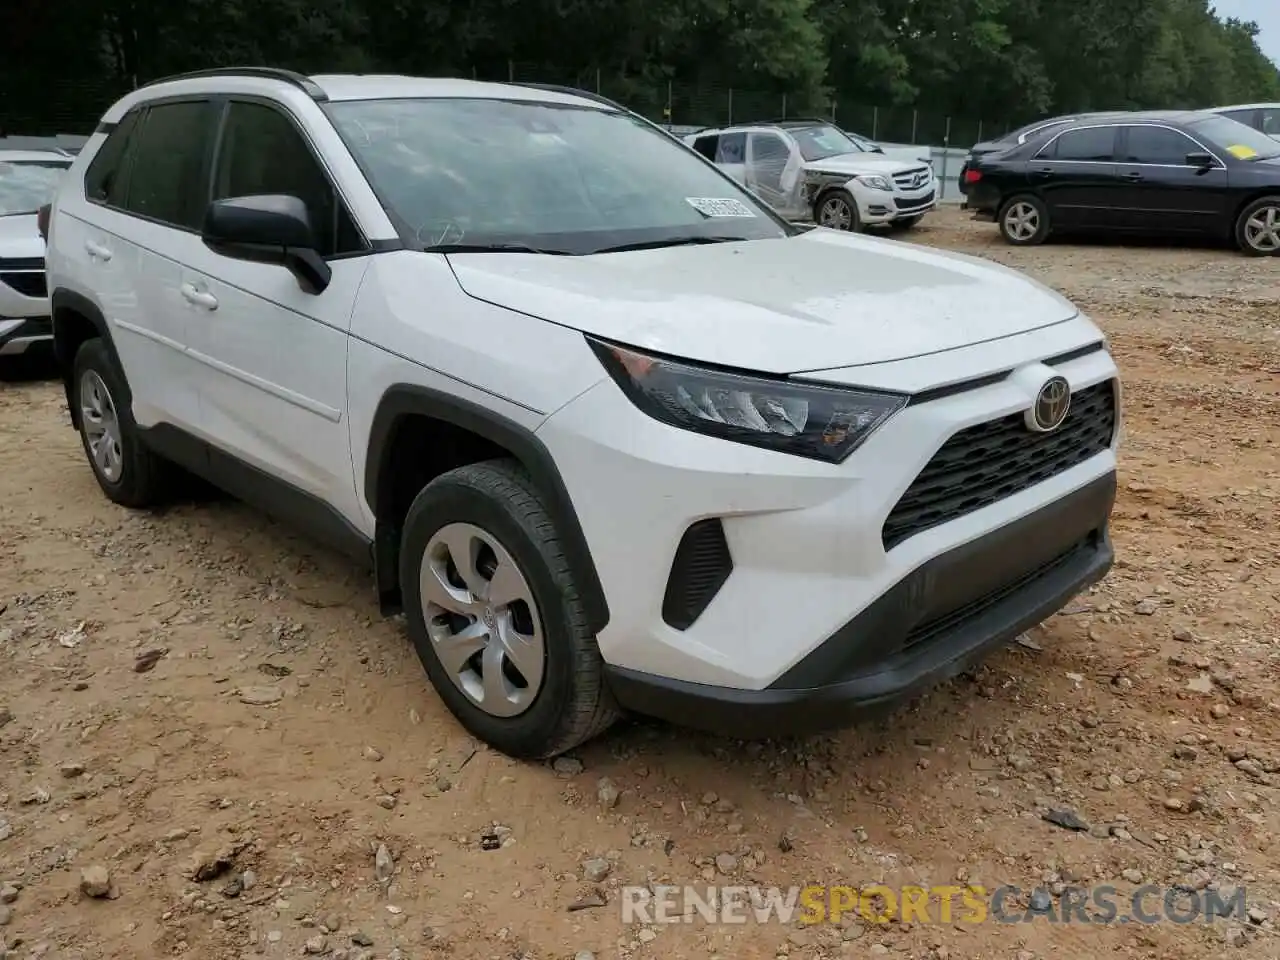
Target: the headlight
(821, 423)
(874, 181)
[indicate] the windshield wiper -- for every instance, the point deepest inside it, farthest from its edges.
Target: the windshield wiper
(669, 242)
(492, 248)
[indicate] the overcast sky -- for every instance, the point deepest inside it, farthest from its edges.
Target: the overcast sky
(1265, 13)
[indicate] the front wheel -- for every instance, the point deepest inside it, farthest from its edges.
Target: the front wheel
(496, 616)
(838, 210)
(1258, 228)
(1024, 221)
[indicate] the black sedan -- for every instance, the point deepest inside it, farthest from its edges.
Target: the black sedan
(1016, 138)
(1161, 173)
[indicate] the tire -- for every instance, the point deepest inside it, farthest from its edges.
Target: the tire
(843, 210)
(1257, 230)
(1017, 211)
(130, 474)
(492, 514)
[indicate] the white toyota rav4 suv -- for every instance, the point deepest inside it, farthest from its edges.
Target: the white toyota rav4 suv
(812, 170)
(612, 434)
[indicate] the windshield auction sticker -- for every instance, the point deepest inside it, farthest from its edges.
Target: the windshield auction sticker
(1241, 152)
(719, 207)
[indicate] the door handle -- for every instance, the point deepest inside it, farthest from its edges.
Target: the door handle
(1045, 172)
(97, 251)
(1133, 176)
(200, 298)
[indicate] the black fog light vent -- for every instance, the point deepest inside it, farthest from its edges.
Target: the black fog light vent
(701, 566)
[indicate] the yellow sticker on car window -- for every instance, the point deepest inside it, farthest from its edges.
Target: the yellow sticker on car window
(1241, 152)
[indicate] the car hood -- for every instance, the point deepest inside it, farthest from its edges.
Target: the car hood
(856, 163)
(818, 300)
(20, 237)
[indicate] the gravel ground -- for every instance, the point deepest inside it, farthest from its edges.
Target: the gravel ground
(213, 747)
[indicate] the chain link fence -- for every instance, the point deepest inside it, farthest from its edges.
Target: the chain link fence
(50, 106)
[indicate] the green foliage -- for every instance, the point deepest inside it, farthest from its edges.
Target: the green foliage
(1004, 60)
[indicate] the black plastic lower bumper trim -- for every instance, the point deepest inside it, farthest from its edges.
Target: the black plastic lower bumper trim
(935, 623)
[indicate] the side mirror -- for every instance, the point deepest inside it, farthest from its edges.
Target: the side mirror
(1202, 160)
(42, 221)
(267, 229)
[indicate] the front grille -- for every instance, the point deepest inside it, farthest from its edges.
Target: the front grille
(903, 204)
(983, 464)
(906, 180)
(955, 619)
(702, 565)
(29, 284)
(24, 274)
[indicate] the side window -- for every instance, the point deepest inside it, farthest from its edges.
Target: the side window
(1090, 144)
(168, 180)
(1269, 121)
(104, 180)
(1157, 145)
(264, 153)
(1247, 117)
(769, 149)
(732, 149)
(706, 146)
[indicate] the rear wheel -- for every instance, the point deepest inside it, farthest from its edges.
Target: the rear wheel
(1258, 228)
(1024, 221)
(128, 472)
(838, 210)
(496, 616)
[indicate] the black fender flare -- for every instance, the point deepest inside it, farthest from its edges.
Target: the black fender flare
(64, 301)
(405, 399)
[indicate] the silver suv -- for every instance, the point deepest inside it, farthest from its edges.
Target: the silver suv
(813, 170)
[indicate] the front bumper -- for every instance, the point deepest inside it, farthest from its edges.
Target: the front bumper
(22, 334)
(939, 620)
(877, 207)
(806, 540)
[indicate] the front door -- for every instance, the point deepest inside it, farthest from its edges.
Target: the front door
(272, 356)
(1162, 193)
(768, 171)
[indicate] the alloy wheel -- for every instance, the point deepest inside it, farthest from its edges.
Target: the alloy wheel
(482, 619)
(101, 426)
(836, 213)
(1022, 221)
(1262, 229)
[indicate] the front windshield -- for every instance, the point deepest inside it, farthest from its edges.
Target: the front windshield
(27, 185)
(1238, 139)
(818, 143)
(555, 178)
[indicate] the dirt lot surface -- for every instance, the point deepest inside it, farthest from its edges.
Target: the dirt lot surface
(210, 709)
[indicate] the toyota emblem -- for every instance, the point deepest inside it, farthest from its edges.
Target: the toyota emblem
(1051, 406)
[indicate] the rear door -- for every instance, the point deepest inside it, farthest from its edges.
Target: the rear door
(1075, 173)
(145, 191)
(1162, 193)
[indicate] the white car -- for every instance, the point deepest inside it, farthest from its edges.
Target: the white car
(812, 170)
(1263, 117)
(28, 179)
(612, 433)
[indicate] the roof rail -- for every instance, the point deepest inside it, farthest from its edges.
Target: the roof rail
(827, 120)
(573, 92)
(302, 82)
